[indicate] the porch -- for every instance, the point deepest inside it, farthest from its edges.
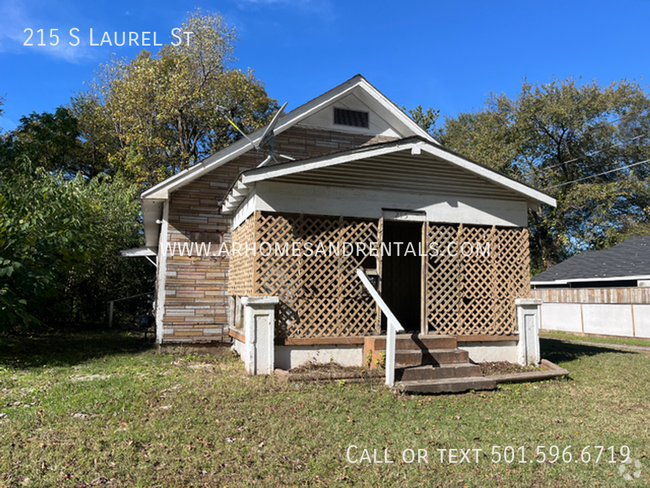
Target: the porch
(452, 280)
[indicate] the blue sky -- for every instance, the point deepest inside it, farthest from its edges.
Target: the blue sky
(448, 55)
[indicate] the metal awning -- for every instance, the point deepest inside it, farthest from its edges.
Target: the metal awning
(139, 252)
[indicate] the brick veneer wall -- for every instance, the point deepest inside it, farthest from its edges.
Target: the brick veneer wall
(196, 302)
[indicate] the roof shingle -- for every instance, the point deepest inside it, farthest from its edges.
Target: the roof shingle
(629, 258)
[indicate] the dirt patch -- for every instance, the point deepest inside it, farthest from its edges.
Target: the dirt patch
(504, 367)
(330, 372)
(330, 367)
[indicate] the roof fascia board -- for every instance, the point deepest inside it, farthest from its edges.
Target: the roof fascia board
(162, 189)
(396, 111)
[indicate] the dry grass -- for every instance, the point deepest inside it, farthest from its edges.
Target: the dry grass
(105, 410)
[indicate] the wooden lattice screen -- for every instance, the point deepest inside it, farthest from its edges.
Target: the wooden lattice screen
(473, 293)
(241, 268)
(320, 295)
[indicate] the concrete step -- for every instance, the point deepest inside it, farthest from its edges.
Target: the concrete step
(448, 385)
(431, 372)
(430, 356)
(416, 341)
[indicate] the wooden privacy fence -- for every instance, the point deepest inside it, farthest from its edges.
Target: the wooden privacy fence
(320, 295)
(593, 295)
(465, 293)
(473, 292)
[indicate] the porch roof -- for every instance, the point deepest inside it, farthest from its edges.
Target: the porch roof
(411, 164)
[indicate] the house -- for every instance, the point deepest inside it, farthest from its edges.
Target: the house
(599, 292)
(355, 185)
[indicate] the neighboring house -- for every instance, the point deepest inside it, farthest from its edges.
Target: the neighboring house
(353, 168)
(599, 292)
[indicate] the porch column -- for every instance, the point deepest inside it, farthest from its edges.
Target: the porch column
(259, 330)
(528, 327)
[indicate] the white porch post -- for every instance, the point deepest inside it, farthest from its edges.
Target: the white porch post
(528, 353)
(259, 330)
(390, 355)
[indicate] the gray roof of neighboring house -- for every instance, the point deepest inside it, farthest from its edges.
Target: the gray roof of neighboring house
(628, 260)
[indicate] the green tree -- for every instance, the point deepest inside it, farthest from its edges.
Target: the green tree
(163, 110)
(56, 234)
(573, 141)
(424, 118)
(2, 111)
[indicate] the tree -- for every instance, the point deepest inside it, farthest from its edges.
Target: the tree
(163, 110)
(57, 236)
(424, 118)
(2, 111)
(576, 142)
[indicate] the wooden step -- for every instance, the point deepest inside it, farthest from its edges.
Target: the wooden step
(417, 341)
(448, 385)
(431, 372)
(430, 356)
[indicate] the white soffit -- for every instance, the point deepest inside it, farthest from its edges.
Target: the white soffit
(421, 173)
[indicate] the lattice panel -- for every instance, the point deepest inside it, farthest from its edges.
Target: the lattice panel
(468, 291)
(278, 273)
(443, 283)
(241, 268)
(320, 294)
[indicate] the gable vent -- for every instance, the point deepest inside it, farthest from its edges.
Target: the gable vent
(352, 118)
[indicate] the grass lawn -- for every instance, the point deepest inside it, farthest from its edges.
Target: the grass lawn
(106, 410)
(623, 341)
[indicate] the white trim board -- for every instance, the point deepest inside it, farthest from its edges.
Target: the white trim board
(583, 280)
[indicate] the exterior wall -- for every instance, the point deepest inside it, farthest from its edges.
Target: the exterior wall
(287, 357)
(195, 285)
(481, 352)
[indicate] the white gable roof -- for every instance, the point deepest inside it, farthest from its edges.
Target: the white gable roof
(387, 119)
(354, 93)
(407, 165)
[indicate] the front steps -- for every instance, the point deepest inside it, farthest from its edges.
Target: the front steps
(429, 364)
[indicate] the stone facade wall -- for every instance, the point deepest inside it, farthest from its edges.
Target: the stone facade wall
(196, 301)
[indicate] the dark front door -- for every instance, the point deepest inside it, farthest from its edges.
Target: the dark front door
(401, 272)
